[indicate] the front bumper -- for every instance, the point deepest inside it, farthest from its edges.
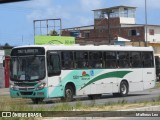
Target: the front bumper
(43, 93)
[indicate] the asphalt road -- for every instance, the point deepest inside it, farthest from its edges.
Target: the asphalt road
(147, 95)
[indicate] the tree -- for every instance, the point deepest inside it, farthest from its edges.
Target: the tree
(6, 45)
(53, 33)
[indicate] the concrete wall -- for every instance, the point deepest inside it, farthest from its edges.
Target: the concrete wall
(124, 20)
(156, 36)
(2, 83)
(1, 69)
(1, 55)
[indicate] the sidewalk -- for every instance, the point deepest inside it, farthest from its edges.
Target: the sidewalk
(4, 91)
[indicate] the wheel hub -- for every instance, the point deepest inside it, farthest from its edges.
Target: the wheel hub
(124, 89)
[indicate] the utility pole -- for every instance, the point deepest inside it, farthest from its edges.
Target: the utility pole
(109, 39)
(146, 24)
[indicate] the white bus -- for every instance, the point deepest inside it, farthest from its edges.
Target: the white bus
(51, 71)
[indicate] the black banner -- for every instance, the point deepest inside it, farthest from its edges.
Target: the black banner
(26, 114)
(8, 1)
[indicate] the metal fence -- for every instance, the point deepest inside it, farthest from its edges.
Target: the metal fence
(1, 76)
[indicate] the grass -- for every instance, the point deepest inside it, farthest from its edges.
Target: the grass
(18, 104)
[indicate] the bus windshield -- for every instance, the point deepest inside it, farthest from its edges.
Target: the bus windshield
(27, 68)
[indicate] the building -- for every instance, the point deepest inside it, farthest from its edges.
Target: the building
(113, 22)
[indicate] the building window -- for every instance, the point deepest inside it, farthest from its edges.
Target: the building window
(75, 34)
(133, 32)
(86, 34)
(151, 31)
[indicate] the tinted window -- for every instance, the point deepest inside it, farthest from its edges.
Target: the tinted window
(123, 59)
(95, 59)
(110, 59)
(81, 59)
(53, 65)
(67, 60)
(147, 58)
(135, 60)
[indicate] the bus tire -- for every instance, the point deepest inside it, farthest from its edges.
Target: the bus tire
(37, 100)
(68, 94)
(124, 89)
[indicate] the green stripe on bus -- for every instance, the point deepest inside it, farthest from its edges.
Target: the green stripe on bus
(115, 74)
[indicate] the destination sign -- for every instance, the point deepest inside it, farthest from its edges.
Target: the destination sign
(27, 51)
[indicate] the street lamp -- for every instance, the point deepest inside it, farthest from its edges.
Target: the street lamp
(146, 23)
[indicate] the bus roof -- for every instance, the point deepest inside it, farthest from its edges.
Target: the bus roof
(91, 47)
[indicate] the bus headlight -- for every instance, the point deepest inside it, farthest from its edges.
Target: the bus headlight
(13, 87)
(41, 86)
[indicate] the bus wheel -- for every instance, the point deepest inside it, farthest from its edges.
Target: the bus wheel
(37, 100)
(68, 94)
(123, 89)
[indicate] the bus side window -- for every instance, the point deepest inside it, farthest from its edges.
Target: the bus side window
(123, 59)
(147, 58)
(135, 60)
(67, 60)
(53, 65)
(95, 59)
(81, 59)
(110, 59)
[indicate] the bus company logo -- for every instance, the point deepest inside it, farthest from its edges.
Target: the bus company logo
(85, 76)
(92, 73)
(6, 114)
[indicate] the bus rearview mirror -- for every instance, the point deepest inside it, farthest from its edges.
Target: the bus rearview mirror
(3, 63)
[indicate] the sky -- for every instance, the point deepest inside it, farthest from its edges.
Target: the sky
(16, 19)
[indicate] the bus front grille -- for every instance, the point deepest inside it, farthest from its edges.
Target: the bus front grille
(26, 93)
(26, 88)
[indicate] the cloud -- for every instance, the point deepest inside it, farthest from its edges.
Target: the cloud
(151, 4)
(77, 13)
(37, 4)
(40, 9)
(91, 4)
